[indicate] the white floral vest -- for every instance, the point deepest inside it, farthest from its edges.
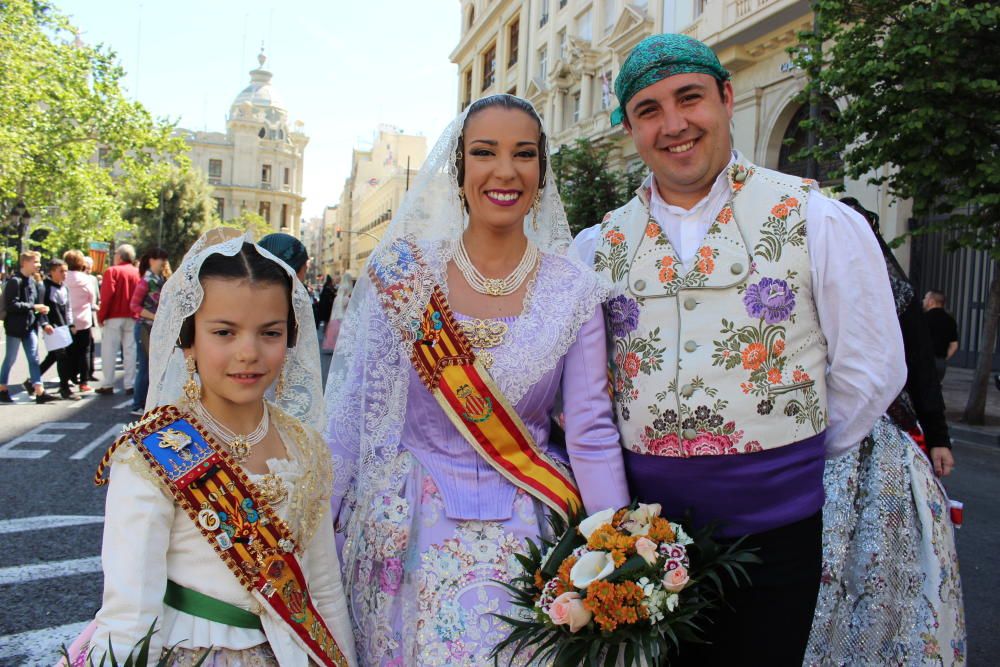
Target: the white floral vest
(727, 358)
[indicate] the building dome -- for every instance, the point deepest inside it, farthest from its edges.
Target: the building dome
(260, 92)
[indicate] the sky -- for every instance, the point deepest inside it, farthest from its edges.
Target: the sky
(341, 67)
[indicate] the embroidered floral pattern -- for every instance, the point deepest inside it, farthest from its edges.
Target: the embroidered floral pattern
(634, 355)
(623, 315)
(786, 225)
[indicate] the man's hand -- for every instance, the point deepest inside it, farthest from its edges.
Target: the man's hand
(48, 329)
(942, 460)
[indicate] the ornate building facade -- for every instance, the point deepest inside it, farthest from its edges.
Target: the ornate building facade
(256, 164)
(563, 55)
(380, 176)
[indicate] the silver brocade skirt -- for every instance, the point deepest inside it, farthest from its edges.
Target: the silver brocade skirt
(890, 592)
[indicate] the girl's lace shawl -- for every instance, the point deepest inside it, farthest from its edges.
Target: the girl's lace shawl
(302, 394)
(369, 375)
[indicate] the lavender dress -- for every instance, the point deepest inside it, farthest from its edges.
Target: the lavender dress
(424, 586)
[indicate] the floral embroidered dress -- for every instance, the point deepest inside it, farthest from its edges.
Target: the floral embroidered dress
(423, 553)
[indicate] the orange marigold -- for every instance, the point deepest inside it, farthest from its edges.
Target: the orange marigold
(791, 202)
(780, 211)
(774, 376)
(660, 530)
(706, 265)
(615, 604)
(652, 230)
(539, 581)
(754, 355)
(725, 215)
(778, 348)
(562, 574)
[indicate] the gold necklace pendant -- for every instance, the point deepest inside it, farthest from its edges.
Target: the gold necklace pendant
(273, 489)
(239, 448)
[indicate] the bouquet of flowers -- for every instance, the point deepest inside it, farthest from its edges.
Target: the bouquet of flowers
(623, 583)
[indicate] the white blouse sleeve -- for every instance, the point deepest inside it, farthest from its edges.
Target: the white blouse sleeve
(866, 367)
(137, 521)
(326, 587)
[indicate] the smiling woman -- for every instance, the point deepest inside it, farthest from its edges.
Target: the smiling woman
(468, 322)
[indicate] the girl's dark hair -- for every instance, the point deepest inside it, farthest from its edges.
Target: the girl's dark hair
(247, 265)
(152, 253)
(503, 101)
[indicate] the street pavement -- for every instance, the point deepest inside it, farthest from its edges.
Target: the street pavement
(51, 524)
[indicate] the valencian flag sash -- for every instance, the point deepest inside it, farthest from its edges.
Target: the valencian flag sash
(447, 366)
(243, 529)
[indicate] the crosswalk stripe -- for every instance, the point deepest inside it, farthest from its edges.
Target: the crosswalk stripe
(32, 523)
(40, 647)
(122, 404)
(22, 574)
(103, 439)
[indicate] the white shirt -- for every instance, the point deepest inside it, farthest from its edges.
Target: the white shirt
(866, 367)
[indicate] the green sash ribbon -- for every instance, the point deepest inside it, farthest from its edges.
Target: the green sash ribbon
(203, 606)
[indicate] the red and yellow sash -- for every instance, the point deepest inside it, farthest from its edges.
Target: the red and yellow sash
(447, 366)
(243, 529)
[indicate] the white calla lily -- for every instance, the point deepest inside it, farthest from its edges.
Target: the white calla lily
(595, 521)
(592, 566)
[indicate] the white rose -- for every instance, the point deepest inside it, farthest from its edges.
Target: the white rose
(638, 520)
(592, 566)
(595, 521)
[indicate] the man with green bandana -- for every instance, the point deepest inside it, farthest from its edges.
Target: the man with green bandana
(753, 334)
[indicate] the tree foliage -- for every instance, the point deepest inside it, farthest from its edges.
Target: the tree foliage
(169, 208)
(587, 184)
(60, 102)
(921, 81)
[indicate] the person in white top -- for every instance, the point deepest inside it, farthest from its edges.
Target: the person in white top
(174, 563)
(753, 334)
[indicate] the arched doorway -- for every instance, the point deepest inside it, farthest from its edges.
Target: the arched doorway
(796, 138)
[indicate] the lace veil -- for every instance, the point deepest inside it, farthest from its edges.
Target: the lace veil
(369, 375)
(301, 396)
(343, 297)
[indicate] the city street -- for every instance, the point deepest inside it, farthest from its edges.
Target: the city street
(51, 522)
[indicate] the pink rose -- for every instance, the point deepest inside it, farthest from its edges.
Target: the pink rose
(568, 609)
(646, 548)
(675, 580)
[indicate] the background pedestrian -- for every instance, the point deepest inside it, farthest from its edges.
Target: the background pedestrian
(154, 268)
(24, 313)
(56, 297)
(83, 304)
(943, 328)
(115, 317)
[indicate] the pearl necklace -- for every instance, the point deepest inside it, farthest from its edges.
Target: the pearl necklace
(239, 446)
(496, 286)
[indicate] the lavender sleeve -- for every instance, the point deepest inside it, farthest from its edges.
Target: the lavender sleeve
(591, 435)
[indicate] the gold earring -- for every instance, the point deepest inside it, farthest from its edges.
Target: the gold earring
(534, 209)
(192, 390)
(461, 200)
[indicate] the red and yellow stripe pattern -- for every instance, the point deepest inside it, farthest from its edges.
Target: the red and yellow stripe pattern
(447, 366)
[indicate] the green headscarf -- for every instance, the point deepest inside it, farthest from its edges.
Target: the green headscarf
(658, 57)
(287, 248)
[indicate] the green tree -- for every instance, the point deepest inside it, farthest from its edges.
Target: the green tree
(923, 99)
(70, 140)
(249, 221)
(170, 208)
(588, 185)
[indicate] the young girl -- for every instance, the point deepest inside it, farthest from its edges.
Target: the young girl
(217, 525)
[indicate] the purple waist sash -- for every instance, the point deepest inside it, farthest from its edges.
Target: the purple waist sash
(745, 493)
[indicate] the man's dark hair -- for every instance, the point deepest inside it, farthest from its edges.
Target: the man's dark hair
(247, 265)
(503, 101)
(55, 262)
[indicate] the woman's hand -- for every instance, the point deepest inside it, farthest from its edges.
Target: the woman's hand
(942, 460)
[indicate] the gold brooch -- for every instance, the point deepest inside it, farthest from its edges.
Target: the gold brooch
(272, 489)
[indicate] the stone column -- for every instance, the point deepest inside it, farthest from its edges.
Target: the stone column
(586, 93)
(557, 122)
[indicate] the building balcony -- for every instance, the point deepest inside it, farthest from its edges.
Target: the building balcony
(742, 21)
